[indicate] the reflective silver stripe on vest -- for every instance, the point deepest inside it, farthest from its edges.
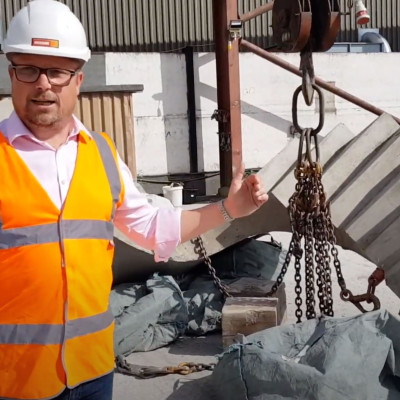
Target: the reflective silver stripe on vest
(40, 234)
(110, 166)
(85, 326)
(31, 334)
(53, 334)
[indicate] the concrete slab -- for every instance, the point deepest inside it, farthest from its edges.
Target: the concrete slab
(352, 160)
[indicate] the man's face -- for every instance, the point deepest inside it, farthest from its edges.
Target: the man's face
(41, 103)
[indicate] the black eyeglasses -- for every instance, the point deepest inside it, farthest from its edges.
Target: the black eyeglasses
(56, 76)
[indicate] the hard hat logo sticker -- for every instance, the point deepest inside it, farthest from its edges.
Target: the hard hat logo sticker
(45, 42)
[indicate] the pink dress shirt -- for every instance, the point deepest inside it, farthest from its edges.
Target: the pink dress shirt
(153, 228)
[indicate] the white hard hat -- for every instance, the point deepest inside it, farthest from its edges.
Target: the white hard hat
(47, 27)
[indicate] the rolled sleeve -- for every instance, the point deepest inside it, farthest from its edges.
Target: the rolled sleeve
(167, 233)
(153, 228)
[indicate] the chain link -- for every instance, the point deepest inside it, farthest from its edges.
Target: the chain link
(201, 250)
(309, 264)
(310, 235)
(145, 372)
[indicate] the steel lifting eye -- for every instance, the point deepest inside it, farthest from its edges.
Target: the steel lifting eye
(296, 125)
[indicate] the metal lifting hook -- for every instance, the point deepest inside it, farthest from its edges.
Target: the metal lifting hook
(373, 281)
(369, 297)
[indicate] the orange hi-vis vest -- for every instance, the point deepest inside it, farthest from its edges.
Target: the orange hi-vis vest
(56, 329)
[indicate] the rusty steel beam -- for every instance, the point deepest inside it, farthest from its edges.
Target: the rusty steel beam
(320, 82)
(228, 90)
(257, 11)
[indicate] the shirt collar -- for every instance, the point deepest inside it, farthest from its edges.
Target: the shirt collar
(18, 129)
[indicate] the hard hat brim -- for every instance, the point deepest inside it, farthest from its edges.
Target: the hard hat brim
(47, 51)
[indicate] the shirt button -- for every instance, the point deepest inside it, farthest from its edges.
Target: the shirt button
(63, 182)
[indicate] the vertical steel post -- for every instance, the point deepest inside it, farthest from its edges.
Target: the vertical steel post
(228, 91)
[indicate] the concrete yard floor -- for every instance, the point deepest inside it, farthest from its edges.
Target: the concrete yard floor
(171, 387)
(355, 270)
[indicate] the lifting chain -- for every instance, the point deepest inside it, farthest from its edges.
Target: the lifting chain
(200, 249)
(202, 252)
(145, 372)
(313, 233)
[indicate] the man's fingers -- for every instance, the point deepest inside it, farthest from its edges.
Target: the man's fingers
(239, 173)
(260, 199)
(259, 194)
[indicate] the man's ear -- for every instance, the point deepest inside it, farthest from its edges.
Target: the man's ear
(79, 81)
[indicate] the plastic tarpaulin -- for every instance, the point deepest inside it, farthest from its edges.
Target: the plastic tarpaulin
(147, 316)
(356, 358)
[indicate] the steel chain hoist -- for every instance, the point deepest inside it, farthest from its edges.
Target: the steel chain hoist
(307, 26)
(313, 233)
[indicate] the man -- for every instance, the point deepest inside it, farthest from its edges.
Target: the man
(62, 190)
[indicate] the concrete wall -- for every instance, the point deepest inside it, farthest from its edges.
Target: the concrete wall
(160, 111)
(161, 127)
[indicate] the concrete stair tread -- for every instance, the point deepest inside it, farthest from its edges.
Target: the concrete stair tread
(360, 178)
(357, 151)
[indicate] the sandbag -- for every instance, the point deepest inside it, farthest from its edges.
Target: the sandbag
(355, 358)
(204, 303)
(147, 316)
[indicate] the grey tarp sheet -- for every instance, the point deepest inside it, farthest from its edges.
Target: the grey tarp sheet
(147, 316)
(355, 358)
(153, 314)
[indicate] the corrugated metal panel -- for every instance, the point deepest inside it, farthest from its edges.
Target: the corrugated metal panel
(137, 25)
(110, 113)
(168, 25)
(258, 30)
(385, 15)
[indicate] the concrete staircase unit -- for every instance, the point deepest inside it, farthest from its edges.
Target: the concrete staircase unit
(361, 180)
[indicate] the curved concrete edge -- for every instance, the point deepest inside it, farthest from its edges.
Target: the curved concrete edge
(132, 262)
